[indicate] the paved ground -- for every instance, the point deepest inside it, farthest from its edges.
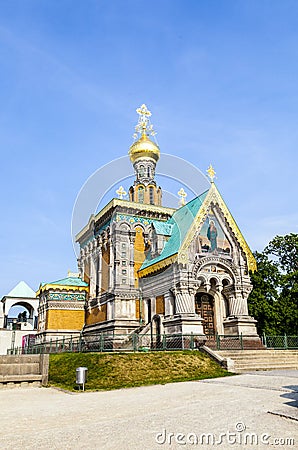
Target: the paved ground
(128, 419)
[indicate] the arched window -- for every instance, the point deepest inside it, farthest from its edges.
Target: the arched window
(132, 193)
(148, 172)
(141, 194)
(142, 171)
(151, 195)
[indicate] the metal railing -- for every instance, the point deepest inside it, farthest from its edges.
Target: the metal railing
(280, 342)
(114, 343)
(135, 342)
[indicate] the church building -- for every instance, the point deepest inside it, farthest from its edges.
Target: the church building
(153, 269)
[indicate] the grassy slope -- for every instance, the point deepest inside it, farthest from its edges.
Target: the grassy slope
(119, 370)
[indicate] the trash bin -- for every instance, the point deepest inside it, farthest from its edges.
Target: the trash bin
(81, 376)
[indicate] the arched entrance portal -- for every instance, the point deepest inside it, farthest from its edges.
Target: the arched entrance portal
(204, 306)
(156, 331)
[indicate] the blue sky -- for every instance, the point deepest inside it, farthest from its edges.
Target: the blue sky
(220, 78)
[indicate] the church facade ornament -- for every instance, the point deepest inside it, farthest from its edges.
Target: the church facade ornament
(172, 270)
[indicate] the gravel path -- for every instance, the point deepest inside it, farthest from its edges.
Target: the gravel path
(264, 403)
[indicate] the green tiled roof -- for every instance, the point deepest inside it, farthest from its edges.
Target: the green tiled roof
(164, 228)
(22, 290)
(180, 223)
(69, 281)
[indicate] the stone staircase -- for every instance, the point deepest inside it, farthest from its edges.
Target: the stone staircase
(249, 360)
(23, 370)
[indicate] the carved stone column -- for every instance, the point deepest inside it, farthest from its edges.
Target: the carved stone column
(109, 311)
(237, 304)
(185, 301)
(169, 304)
(185, 320)
(239, 321)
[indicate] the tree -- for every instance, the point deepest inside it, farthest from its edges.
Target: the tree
(261, 302)
(285, 250)
(274, 298)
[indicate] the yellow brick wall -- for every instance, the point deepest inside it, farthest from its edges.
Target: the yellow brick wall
(138, 310)
(139, 252)
(105, 269)
(63, 319)
(96, 316)
(160, 304)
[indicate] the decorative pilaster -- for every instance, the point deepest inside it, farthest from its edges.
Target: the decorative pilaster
(111, 265)
(131, 274)
(99, 265)
(93, 267)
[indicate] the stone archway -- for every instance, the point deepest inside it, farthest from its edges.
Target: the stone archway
(28, 305)
(204, 307)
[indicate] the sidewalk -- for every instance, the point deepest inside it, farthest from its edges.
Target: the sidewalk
(143, 418)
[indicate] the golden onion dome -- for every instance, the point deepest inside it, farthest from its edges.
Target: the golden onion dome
(144, 148)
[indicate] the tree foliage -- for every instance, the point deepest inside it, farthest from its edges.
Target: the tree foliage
(274, 298)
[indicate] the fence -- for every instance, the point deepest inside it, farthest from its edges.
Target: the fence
(115, 343)
(280, 342)
(160, 342)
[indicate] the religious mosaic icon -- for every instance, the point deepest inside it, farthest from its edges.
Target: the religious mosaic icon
(212, 238)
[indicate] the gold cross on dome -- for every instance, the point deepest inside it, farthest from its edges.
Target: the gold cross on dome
(182, 194)
(143, 111)
(121, 192)
(211, 173)
(144, 126)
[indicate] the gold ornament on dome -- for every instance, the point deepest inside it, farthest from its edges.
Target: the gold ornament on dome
(143, 147)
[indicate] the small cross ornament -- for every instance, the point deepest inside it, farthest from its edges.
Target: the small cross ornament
(121, 192)
(211, 173)
(182, 194)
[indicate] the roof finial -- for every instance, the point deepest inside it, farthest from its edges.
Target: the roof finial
(211, 173)
(121, 192)
(182, 194)
(143, 127)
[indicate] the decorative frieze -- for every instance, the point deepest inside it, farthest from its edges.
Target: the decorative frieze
(65, 305)
(66, 296)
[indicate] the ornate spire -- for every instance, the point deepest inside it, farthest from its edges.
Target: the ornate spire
(143, 127)
(211, 173)
(144, 154)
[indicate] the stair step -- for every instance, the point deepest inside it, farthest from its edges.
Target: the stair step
(250, 360)
(19, 378)
(255, 358)
(264, 364)
(253, 369)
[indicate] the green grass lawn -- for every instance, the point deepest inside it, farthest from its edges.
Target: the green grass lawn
(119, 370)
